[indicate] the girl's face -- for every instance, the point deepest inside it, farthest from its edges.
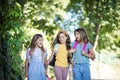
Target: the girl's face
(77, 36)
(62, 38)
(39, 42)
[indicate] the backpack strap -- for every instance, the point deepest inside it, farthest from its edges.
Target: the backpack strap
(57, 46)
(84, 46)
(75, 44)
(29, 53)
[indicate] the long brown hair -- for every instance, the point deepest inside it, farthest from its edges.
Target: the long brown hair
(33, 45)
(56, 40)
(83, 35)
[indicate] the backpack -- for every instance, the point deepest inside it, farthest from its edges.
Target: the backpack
(52, 62)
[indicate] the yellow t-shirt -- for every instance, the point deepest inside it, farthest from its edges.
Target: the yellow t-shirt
(61, 56)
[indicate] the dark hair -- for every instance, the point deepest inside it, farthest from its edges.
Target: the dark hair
(56, 40)
(34, 39)
(83, 35)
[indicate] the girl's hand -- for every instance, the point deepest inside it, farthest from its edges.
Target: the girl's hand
(46, 72)
(72, 63)
(48, 62)
(83, 53)
(55, 51)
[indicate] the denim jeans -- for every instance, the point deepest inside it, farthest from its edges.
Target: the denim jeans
(81, 72)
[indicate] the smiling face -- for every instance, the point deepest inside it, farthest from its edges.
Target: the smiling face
(62, 38)
(77, 36)
(39, 42)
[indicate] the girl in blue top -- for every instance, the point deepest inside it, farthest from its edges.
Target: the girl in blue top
(81, 70)
(36, 57)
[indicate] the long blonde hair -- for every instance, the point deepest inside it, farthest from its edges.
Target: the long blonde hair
(33, 45)
(56, 40)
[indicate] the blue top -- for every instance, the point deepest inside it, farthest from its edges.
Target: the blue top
(77, 55)
(36, 56)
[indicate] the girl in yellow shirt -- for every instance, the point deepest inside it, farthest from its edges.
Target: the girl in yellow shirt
(61, 47)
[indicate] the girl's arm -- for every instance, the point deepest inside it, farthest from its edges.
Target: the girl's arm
(54, 51)
(45, 60)
(70, 58)
(26, 67)
(51, 56)
(46, 64)
(92, 54)
(71, 50)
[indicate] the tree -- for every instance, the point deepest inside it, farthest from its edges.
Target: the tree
(10, 40)
(100, 17)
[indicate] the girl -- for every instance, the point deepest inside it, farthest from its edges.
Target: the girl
(36, 56)
(61, 47)
(82, 52)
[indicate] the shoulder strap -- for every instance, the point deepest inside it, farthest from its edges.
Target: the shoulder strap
(29, 52)
(84, 46)
(75, 44)
(57, 46)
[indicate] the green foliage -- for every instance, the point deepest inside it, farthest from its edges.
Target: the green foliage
(41, 14)
(99, 18)
(51, 71)
(11, 43)
(19, 20)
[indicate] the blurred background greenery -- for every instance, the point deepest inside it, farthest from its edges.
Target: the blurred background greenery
(21, 19)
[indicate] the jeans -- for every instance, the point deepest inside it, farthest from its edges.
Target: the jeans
(81, 72)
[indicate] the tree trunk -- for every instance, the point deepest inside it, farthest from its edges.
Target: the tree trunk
(97, 29)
